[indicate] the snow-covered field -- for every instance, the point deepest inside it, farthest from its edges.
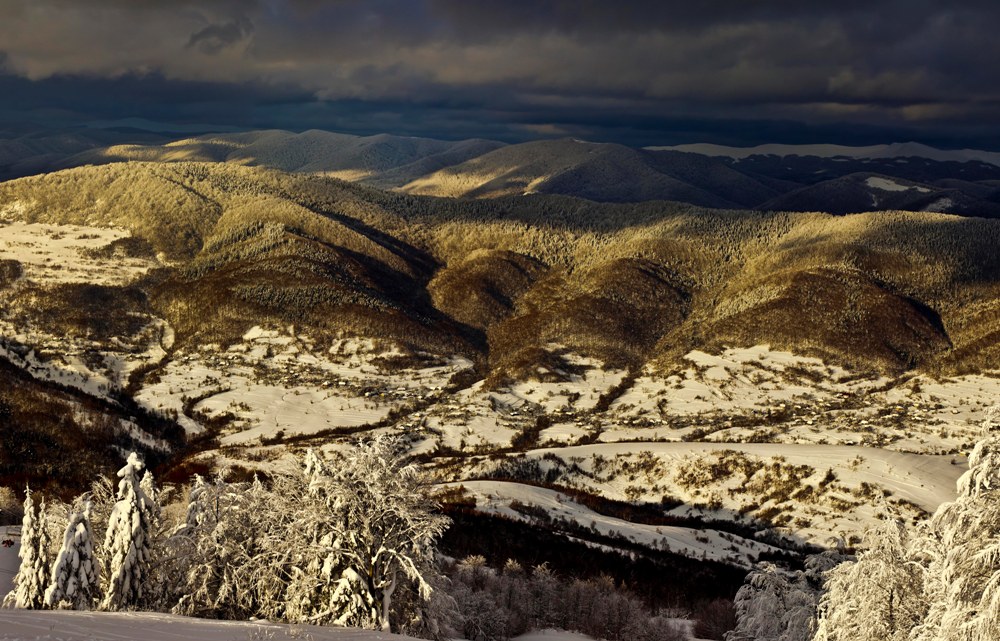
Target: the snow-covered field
(88, 365)
(52, 255)
(497, 497)
(809, 493)
(276, 381)
(57, 254)
(886, 184)
(759, 394)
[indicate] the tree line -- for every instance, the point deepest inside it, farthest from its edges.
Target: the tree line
(347, 542)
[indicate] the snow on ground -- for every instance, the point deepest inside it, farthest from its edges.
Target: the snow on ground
(553, 635)
(811, 491)
(510, 500)
(93, 367)
(277, 381)
(923, 479)
(579, 392)
(759, 394)
(9, 562)
(62, 254)
(477, 418)
(941, 205)
(885, 184)
(57, 254)
(29, 625)
(738, 379)
(473, 419)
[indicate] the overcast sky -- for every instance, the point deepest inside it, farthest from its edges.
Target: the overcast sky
(635, 71)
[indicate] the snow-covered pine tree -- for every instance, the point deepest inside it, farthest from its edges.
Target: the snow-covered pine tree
(194, 549)
(314, 469)
(33, 574)
(75, 580)
(197, 510)
(127, 541)
(879, 597)
(148, 486)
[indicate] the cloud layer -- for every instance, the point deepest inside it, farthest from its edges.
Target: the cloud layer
(530, 66)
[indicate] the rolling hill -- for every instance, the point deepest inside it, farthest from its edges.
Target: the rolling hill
(827, 178)
(382, 158)
(500, 279)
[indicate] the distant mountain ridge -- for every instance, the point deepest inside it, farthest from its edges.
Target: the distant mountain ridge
(827, 178)
(376, 158)
(893, 150)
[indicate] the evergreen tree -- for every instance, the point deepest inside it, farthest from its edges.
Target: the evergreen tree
(148, 485)
(127, 542)
(197, 511)
(33, 574)
(74, 574)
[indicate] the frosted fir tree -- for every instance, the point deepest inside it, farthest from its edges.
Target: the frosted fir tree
(196, 549)
(75, 580)
(33, 574)
(148, 486)
(879, 597)
(196, 509)
(127, 544)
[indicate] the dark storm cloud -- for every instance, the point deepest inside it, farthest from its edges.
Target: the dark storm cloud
(216, 37)
(623, 70)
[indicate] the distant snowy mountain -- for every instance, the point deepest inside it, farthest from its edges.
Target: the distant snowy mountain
(894, 150)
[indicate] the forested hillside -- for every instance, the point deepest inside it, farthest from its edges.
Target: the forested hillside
(503, 280)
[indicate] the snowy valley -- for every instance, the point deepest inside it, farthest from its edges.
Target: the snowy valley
(655, 387)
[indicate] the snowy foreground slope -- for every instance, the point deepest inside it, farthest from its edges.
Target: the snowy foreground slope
(23, 625)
